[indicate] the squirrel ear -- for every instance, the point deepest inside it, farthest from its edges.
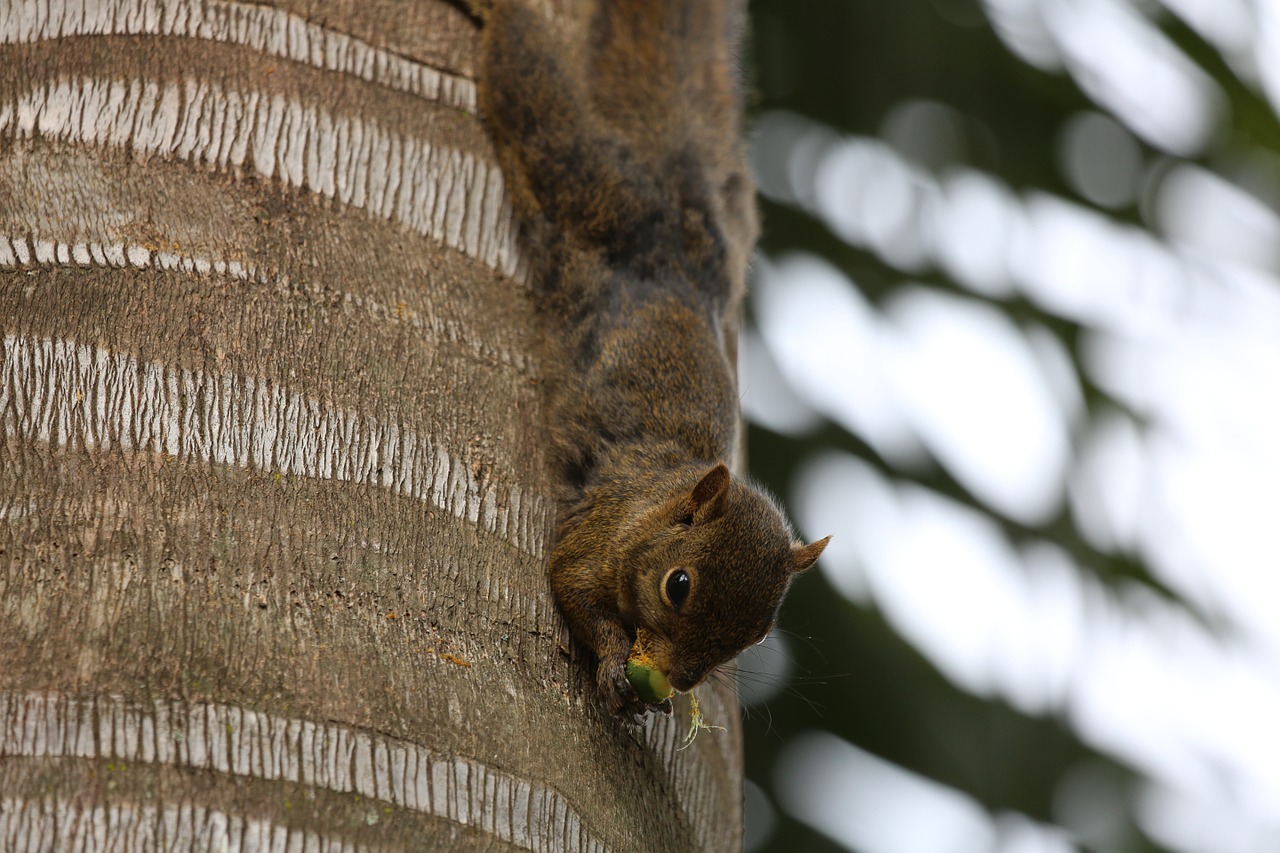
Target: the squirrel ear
(806, 555)
(707, 498)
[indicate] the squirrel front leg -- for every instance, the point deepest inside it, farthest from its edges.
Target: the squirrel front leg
(578, 581)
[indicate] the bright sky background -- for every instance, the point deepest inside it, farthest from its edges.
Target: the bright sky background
(1182, 332)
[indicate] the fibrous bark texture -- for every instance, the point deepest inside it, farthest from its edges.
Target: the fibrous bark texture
(273, 500)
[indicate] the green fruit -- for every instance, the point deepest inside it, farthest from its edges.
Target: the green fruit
(650, 684)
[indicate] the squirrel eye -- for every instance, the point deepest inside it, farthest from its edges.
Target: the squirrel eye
(676, 587)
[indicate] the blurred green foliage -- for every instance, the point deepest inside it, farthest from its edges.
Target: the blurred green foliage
(848, 65)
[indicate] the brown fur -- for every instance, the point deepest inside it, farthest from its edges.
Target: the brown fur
(622, 143)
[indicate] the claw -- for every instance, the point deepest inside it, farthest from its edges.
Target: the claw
(619, 696)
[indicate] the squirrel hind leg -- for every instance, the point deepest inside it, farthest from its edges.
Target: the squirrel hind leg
(562, 160)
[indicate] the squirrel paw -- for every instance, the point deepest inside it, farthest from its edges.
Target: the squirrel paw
(620, 697)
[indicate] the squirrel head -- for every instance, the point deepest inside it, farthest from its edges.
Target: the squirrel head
(708, 579)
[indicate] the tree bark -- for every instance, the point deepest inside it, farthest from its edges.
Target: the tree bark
(273, 500)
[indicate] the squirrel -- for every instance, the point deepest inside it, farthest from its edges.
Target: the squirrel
(620, 138)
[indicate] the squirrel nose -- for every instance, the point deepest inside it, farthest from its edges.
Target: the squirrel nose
(684, 681)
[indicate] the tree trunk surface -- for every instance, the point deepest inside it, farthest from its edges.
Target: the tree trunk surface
(274, 507)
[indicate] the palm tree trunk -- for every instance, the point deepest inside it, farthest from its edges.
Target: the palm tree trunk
(273, 501)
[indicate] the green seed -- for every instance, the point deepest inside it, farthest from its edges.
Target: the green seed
(650, 684)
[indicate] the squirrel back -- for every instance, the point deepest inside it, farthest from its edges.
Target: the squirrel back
(622, 142)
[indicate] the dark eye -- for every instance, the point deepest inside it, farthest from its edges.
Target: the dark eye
(677, 587)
